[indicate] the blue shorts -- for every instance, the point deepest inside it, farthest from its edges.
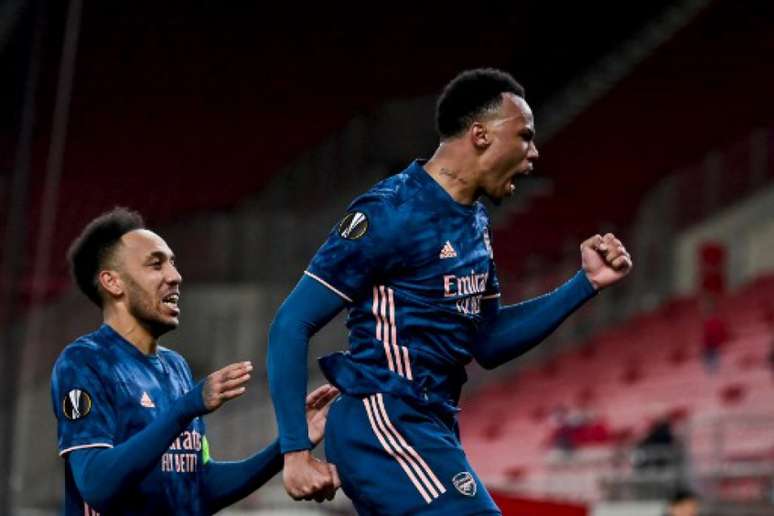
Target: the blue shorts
(395, 459)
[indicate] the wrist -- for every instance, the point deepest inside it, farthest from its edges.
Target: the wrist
(592, 286)
(192, 403)
(297, 456)
(292, 443)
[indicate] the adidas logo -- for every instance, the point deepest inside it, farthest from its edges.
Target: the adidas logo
(447, 251)
(145, 401)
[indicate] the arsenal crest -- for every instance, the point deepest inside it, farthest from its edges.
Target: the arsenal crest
(465, 483)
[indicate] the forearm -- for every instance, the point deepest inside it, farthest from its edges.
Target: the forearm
(131, 460)
(516, 329)
(288, 376)
(228, 482)
(309, 307)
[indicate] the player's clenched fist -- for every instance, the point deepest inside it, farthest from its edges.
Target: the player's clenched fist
(605, 260)
(309, 478)
(225, 384)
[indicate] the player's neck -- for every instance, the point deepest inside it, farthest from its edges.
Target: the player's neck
(131, 330)
(449, 168)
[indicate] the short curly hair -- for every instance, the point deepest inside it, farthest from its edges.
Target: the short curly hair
(468, 96)
(94, 247)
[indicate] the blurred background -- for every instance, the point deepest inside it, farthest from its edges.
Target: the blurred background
(242, 132)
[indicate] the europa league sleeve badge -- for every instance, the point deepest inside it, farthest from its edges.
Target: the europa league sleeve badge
(353, 226)
(76, 405)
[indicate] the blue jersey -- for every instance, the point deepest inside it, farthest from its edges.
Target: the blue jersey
(415, 267)
(104, 390)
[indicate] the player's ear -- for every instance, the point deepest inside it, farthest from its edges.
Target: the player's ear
(110, 281)
(479, 136)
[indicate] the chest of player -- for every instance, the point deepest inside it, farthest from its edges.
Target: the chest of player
(450, 266)
(142, 392)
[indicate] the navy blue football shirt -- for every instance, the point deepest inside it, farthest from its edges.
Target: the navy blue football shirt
(415, 267)
(104, 390)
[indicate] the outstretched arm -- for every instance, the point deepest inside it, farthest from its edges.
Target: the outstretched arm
(131, 460)
(511, 331)
(227, 482)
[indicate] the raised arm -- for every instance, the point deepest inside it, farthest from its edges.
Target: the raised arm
(511, 331)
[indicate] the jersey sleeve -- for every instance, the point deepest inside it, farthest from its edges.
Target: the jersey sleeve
(82, 399)
(360, 249)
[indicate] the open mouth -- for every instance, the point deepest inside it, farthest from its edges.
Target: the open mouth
(512, 183)
(171, 301)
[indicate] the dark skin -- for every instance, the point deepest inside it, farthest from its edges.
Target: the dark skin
(140, 287)
(488, 158)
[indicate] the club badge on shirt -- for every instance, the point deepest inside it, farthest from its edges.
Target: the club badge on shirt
(76, 404)
(353, 226)
(465, 483)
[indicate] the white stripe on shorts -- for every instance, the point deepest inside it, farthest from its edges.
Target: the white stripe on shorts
(397, 457)
(395, 444)
(383, 410)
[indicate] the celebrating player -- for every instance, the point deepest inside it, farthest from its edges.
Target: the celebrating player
(412, 261)
(128, 412)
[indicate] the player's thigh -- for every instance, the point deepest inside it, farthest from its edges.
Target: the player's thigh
(394, 459)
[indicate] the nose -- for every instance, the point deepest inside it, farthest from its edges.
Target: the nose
(532, 152)
(173, 276)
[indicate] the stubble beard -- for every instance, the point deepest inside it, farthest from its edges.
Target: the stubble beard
(142, 309)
